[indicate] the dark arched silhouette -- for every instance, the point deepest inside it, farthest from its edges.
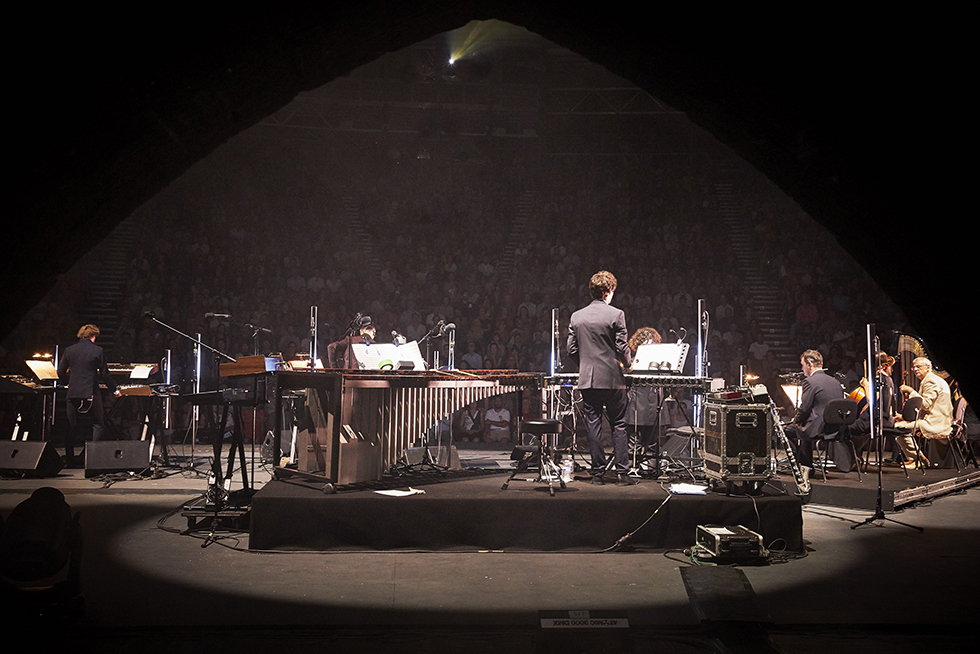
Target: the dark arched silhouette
(105, 110)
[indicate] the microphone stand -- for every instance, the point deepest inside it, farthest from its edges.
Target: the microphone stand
(256, 330)
(313, 337)
(349, 336)
(428, 462)
(875, 412)
(435, 332)
(198, 343)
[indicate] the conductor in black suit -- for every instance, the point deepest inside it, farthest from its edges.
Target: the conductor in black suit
(599, 343)
(83, 365)
(819, 388)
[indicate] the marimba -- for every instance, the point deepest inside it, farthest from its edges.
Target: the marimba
(359, 423)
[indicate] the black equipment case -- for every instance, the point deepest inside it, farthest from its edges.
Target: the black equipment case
(737, 442)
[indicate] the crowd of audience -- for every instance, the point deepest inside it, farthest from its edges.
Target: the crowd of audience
(414, 241)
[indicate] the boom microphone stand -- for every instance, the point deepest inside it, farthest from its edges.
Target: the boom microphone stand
(875, 413)
(198, 344)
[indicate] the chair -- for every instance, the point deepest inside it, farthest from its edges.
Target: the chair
(910, 413)
(839, 414)
(540, 451)
(956, 441)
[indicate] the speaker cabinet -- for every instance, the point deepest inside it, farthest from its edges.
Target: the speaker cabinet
(29, 459)
(105, 457)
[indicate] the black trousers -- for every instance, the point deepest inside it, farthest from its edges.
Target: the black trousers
(81, 412)
(802, 445)
(612, 402)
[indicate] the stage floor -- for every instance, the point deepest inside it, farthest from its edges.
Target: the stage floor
(147, 581)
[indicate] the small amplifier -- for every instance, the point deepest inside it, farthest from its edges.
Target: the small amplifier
(727, 544)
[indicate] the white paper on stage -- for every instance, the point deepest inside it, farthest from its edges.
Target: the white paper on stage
(688, 489)
(660, 358)
(388, 356)
(401, 493)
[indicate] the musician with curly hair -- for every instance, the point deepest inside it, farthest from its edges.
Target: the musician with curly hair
(83, 366)
(598, 343)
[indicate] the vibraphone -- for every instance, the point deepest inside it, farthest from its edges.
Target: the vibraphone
(696, 384)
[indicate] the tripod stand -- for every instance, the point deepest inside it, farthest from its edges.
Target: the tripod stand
(427, 462)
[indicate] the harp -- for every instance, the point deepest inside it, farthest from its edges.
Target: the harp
(908, 349)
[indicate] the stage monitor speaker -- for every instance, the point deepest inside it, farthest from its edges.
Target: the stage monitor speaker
(441, 455)
(105, 457)
(678, 445)
(30, 459)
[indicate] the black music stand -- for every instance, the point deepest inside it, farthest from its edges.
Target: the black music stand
(640, 451)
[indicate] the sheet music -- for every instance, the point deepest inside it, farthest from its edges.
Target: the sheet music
(387, 356)
(660, 358)
(42, 369)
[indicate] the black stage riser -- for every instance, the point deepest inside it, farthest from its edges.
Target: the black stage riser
(474, 514)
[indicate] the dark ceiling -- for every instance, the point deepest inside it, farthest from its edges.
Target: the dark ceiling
(112, 107)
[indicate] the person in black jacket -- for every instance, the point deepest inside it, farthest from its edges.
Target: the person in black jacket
(819, 389)
(83, 366)
(598, 343)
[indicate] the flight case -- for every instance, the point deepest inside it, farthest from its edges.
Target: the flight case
(737, 442)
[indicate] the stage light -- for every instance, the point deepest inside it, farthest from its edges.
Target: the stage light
(480, 36)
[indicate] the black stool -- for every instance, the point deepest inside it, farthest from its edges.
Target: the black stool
(542, 452)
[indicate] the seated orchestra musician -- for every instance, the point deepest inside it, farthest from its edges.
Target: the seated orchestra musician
(339, 355)
(641, 412)
(935, 419)
(860, 430)
(819, 388)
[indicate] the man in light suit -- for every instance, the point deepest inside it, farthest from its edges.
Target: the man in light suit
(598, 342)
(819, 389)
(935, 418)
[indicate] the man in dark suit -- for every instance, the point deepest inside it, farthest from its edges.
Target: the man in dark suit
(598, 342)
(83, 366)
(819, 389)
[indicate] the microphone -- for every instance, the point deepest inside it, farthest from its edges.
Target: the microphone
(217, 315)
(149, 314)
(397, 338)
(446, 327)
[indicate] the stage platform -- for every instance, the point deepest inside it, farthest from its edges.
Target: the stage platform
(846, 490)
(467, 510)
